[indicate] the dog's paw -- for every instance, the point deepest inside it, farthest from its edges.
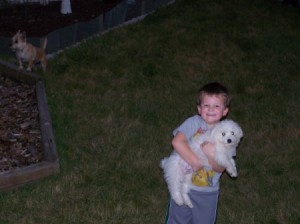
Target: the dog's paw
(232, 173)
(187, 202)
(178, 199)
(190, 205)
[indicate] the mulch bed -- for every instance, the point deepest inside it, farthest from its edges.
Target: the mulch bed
(20, 135)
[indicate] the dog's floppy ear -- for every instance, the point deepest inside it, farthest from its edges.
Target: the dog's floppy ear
(215, 130)
(240, 132)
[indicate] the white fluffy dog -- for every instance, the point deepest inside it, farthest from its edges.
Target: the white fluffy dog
(225, 136)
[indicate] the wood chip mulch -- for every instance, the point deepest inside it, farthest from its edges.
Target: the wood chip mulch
(20, 135)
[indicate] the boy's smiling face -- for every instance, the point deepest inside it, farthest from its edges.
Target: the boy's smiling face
(212, 109)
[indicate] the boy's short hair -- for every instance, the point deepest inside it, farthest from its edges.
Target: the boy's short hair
(214, 88)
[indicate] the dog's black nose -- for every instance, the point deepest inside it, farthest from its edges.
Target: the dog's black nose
(229, 140)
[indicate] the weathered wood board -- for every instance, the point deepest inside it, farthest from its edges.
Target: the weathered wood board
(50, 165)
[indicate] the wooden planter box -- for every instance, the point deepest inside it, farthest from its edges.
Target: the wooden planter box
(50, 163)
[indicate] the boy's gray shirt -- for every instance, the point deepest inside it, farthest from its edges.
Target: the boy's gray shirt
(189, 128)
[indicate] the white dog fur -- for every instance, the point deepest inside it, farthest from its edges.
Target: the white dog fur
(225, 136)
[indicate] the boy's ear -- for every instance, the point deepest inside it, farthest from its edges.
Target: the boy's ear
(225, 112)
(199, 109)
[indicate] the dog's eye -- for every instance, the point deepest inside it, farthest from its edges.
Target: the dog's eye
(223, 133)
(232, 133)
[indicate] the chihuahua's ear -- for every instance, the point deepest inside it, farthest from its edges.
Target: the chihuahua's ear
(23, 35)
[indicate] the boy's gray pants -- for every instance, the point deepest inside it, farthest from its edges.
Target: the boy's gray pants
(203, 212)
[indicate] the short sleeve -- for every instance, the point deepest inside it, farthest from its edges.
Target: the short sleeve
(190, 126)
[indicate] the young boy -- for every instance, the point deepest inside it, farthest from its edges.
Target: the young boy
(213, 105)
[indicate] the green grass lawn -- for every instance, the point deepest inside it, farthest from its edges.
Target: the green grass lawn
(116, 98)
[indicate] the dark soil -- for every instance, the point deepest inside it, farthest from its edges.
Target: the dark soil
(38, 20)
(20, 135)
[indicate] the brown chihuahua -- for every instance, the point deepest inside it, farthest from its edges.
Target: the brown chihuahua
(27, 52)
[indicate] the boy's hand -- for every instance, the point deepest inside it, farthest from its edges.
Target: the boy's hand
(209, 150)
(180, 144)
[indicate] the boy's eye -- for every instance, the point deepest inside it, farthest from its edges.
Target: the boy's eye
(223, 133)
(232, 133)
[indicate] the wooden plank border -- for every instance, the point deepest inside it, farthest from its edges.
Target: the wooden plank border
(50, 165)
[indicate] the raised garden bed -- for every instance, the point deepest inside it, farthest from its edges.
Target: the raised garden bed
(39, 153)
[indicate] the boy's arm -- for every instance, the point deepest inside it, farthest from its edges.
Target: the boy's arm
(181, 146)
(209, 150)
